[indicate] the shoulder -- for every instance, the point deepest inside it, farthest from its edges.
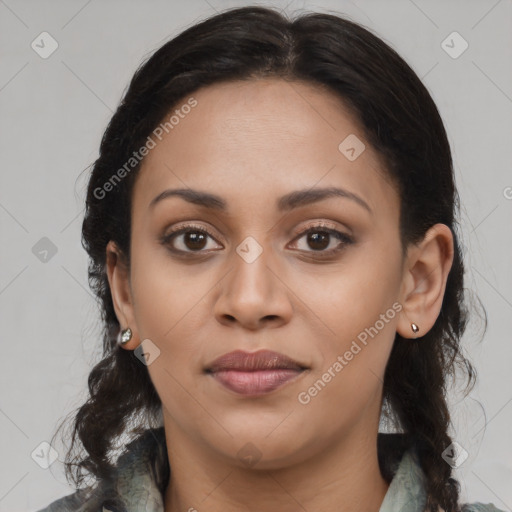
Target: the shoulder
(87, 500)
(400, 465)
(140, 475)
(82, 500)
(480, 507)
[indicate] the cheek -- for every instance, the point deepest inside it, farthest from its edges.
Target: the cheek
(352, 299)
(358, 314)
(165, 294)
(351, 372)
(171, 306)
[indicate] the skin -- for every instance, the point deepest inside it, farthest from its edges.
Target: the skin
(250, 143)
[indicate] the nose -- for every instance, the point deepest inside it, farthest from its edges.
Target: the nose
(254, 295)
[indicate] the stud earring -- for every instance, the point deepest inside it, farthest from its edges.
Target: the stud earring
(415, 329)
(126, 336)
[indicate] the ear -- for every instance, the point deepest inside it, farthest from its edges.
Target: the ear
(120, 289)
(426, 270)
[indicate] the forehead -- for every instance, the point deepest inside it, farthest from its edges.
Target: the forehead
(259, 139)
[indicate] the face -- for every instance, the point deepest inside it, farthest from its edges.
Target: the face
(205, 281)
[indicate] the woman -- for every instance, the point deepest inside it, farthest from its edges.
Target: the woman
(272, 233)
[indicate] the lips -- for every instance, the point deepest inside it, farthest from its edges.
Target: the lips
(253, 361)
(254, 373)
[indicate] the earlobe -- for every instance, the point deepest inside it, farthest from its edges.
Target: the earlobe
(424, 282)
(119, 282)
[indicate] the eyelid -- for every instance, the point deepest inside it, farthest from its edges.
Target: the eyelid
(317, 225)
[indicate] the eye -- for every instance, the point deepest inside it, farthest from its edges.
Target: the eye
(191, 238)
(320, 236)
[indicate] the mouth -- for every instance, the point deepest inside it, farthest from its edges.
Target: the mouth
(254, 373)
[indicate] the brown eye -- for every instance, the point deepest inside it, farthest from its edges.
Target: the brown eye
(194, 240)
(188, 239)
(319, 238)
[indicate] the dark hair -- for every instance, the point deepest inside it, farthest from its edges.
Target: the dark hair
(400, 121)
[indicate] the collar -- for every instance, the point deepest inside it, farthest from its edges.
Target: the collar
(407, 489)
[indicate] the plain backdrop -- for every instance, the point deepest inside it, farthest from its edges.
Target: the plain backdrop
(53, 113)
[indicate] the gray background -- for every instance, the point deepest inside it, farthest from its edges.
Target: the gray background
(53, 113)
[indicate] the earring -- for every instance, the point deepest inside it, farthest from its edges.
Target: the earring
(415, 329)
(126, 336)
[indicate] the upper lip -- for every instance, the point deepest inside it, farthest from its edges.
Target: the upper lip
(251, 361)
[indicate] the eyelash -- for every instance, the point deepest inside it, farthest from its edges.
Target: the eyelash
(344, 239)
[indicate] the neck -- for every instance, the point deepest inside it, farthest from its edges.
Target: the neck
(345, 477)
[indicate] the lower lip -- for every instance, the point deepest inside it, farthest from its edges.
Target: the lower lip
(256, 382)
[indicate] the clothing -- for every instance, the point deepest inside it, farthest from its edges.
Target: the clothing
(142, 473)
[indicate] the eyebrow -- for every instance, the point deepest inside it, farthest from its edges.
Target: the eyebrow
(287, 202)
